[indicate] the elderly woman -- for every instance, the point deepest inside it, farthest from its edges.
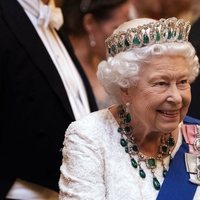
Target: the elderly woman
(135, 149)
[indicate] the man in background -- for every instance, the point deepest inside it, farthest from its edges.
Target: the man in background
(42, 90)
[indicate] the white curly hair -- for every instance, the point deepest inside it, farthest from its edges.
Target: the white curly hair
(122, 70)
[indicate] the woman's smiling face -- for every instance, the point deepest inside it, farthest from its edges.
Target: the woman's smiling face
(162, 96)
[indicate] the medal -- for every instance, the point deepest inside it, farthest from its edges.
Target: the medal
(192, 159)
(193, 167)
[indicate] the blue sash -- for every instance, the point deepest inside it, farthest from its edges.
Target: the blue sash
(176, 185)
(191, 120)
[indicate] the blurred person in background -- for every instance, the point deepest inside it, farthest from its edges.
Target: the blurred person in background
(43, 89)
(194, 38)
(146, 8)
(88, 23)
(186, 9)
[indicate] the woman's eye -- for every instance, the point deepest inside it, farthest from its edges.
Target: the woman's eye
(162, 83)
(184, 81)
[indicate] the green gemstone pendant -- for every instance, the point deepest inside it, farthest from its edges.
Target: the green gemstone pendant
(164, 149)
(123, 142)
(156, 183)
(142, 173)
(135, 148)
(127, 129)
(119, 129)
(171, 142)
(127, 118)
(128, 140)
(134, 163)
(126, 149)
(151, 163)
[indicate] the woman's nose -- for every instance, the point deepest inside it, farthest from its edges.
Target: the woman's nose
(174, 94)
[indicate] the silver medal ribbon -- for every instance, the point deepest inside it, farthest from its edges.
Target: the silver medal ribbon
(193, 167)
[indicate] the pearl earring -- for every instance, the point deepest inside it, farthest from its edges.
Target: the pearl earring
(92, 40)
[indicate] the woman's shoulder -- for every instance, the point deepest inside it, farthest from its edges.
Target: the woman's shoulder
(93, 124)
(92, 119)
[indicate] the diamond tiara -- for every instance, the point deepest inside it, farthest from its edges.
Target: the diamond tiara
(161, 31)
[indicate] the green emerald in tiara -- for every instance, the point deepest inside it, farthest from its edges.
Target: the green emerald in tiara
(145, 39)
(136, 41)
(162, 31)
(126, 42)
(157, 36)
(180, 37)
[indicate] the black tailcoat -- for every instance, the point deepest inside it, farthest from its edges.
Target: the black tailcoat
(34, 107)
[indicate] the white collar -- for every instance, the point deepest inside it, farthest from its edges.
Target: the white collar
(47, 15)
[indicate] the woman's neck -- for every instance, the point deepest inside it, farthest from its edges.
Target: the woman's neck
(148, 142)
(84, 54)
(150, 146)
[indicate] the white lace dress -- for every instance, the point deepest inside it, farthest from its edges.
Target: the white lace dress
(96, 167)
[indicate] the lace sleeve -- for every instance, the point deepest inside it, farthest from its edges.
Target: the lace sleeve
(82, 167)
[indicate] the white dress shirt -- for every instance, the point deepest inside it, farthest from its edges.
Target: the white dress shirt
(41, 17)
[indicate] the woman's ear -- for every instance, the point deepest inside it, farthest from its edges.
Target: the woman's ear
(124, 95)
(90, 27)
(88, 22)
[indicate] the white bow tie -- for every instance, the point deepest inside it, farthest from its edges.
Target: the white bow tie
(50, 16)
(47, 15)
